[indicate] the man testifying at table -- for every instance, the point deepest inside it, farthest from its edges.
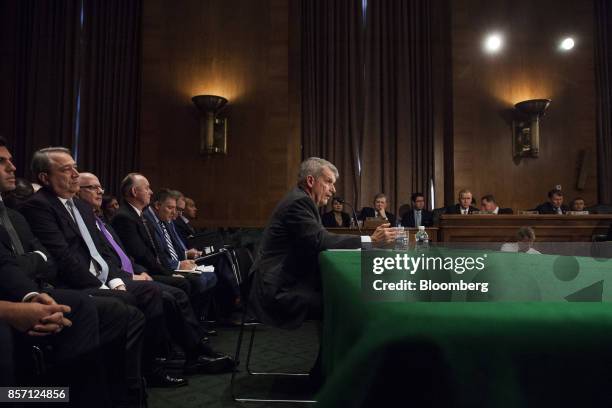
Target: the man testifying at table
(287, 283)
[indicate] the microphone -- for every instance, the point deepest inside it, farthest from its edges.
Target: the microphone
(342, 201)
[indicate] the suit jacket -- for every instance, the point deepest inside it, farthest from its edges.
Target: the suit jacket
(286, 278)
(369, 212)
(547, 208)
(14, 284)
(158, 235)
(329, 220)
(59, 233)
(505, 211)
(34, 265)
(456, 209)
(184, 229)
(131, 230)
(426, 218)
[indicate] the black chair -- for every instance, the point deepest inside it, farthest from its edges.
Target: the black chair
(244, 262)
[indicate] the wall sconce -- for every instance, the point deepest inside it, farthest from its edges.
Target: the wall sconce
(526, 127)
(213, 129)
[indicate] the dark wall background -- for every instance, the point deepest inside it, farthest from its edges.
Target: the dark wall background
(240, 49)
(530, 66)
(249, 52)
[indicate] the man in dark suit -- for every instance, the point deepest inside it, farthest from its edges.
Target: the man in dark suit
(184, 327)
(418, 215)
(286, 283)
(138, 238)
(65, 225)
(464, 206)
(181, 222)
(120, 326)
(488, 204)
(379, 211)
(554, 205)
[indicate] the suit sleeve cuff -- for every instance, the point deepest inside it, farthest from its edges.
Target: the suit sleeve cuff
(113, 283)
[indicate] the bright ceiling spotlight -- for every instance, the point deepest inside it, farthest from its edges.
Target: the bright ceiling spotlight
(567, 44)
(493, 43)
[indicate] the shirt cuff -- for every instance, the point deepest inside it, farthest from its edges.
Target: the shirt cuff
(365, 239)
(41, 254)
(29, 296)
(113, 283)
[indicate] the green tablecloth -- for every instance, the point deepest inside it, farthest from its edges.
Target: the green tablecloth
(459, 354)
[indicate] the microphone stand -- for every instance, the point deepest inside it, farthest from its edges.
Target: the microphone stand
(354, 215)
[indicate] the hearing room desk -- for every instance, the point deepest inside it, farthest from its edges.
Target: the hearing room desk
(476, 354)
(503, 228)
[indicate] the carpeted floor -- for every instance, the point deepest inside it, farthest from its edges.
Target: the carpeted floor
(273, 350)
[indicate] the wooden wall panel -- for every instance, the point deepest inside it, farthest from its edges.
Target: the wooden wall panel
(485, 87)
(239, 49)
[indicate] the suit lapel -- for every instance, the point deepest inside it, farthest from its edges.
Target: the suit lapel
(62, 211)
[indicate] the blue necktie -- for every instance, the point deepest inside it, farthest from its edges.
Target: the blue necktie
(93, 251)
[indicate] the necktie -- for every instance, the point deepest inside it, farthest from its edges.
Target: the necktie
(168, 241)
(126, 264)
(417, 218)
(93, 251)
(6, 222)
(151, 241)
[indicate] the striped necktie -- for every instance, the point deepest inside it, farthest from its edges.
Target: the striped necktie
(168, 241)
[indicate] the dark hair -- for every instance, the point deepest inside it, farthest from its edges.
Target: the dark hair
(489, 198)
(553, 192)
(3, 142)
(162, 195)
(416, 195)
(338, 200)
(107, 199)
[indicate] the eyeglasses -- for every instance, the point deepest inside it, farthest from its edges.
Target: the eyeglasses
(94, 188)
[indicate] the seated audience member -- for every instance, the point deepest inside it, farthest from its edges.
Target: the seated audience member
(138, 234)
(464, 206)
(184, 327)
(336, 218)
(577, 204)
(109, 207)
(14, 198)
(554, 205)
(379, 211)
(65, 225)
(489, 205)
(100, 325)
(181, 222)
(524, 242)
(418, 215)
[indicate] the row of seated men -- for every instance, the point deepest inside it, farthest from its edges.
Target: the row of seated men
(418, 214)
(103, 301)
